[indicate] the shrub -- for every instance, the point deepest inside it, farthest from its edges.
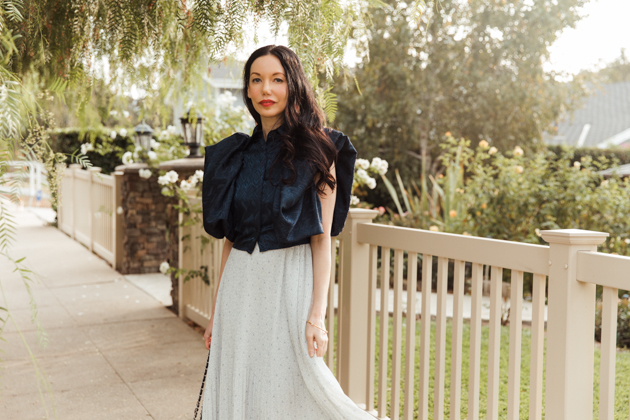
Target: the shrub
(623, 322)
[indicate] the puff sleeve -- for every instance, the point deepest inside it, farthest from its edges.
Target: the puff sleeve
(346, 157)
(297, 208)
(222, 163)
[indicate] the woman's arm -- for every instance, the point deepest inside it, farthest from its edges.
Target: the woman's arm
(227, 247)
(321, 250)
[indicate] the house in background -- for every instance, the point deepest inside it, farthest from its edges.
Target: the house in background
(226, 77)
(603, 121)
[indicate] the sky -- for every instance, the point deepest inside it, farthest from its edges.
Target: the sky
(597, 39)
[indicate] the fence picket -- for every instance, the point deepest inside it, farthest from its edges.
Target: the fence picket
(412, 283)
(516, 327)
(537, 347)
(494, 345)
(456, 342)
(384, 313)
(475, 341)
(425, 337)
(397, 335)
(440, 340)
(608, 354)
(371, 328)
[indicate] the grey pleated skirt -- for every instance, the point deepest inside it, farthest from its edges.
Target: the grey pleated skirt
(259, 367)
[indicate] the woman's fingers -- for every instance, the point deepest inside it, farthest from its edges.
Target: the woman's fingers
(317, 343)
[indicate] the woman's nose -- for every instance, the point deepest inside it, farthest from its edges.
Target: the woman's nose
(266, 88)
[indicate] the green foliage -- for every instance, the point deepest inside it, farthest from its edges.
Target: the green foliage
(614, 155)
(471, 68)
(623, 322)
(107, 153)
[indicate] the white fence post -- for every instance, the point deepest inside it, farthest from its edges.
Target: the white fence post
(353, 322)
(91, 206)
(118, 220)
(74, 167)
(570, 327)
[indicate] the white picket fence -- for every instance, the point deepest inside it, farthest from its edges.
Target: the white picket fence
(570, 264)
(88, 210)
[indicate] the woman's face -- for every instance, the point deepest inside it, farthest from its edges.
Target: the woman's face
(267, 88)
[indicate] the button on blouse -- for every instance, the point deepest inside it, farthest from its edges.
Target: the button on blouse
(243, 203)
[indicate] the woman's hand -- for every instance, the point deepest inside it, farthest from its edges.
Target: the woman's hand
(207, 336)
(315, 335)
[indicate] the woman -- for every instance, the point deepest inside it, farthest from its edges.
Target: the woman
(277, 197)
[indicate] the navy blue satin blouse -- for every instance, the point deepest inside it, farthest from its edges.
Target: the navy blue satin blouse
(242, 203)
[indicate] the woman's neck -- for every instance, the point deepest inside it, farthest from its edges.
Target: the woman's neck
(269, 124)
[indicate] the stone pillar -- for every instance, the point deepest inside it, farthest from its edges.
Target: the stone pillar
(185, 168)
(144, 222)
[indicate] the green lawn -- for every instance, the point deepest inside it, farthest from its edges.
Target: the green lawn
(622, 373)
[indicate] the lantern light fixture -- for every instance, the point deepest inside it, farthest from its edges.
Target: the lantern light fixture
(144, 133)
(192, 128)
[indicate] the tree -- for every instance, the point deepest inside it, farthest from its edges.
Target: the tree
(473, 69)
(62, 48)
(616, 71)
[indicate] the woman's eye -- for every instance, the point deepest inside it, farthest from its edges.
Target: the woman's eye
(279, 80)
(255, 80)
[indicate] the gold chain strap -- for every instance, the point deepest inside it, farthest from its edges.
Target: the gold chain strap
(319, 328)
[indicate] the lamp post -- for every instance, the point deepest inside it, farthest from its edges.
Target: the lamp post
(192, 127)
(143, 135)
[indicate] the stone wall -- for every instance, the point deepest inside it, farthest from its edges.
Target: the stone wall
(145, 243)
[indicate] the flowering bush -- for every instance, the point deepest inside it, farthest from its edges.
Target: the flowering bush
(364, 173)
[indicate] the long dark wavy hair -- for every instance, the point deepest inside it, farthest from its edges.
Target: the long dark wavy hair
(303, 120)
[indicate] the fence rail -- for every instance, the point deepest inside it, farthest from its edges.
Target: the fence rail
(372, 257)
(88, 213)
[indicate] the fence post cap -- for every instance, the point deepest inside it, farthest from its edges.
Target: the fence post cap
(362, 213)
(95, 169)
(74, 166)
(574, 237)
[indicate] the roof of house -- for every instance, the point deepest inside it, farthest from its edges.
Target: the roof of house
(604, 116)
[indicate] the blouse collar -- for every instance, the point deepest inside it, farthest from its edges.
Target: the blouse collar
(273, 134)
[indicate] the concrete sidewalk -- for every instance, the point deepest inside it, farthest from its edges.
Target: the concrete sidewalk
(113, 351)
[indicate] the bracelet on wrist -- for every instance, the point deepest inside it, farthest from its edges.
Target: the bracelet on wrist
(319, 328)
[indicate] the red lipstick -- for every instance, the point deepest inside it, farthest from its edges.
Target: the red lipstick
(266, 103)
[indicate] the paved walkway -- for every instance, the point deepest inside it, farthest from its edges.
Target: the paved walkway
(113, 351)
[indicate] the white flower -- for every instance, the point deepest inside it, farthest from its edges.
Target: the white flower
(371, 183)
(187, 152)
(152, 155)
(163, 135)
(113, 112)
(126, 158)
(192, 180)
(164, 267)
(226, 99)
(112, 135)
(138, 148)
(171, 129)
(492, 150)
(185, 185)
(518, 151)
(86, 147)
(199, 175)
(577, 165)
(627, 241)
(383, 168)
(155, 144)
(145, 173)
(172, 176)
(354, 200)
(163, 180)
(362, 163)
(126, 114)
(119, 210)
(164, 190)
(362, 176)
(136, 155)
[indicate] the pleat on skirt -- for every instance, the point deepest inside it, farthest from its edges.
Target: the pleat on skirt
(259, 367)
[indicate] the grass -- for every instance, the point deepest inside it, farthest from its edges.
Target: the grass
(622, 389)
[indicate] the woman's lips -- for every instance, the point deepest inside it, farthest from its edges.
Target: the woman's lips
(266, 103)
